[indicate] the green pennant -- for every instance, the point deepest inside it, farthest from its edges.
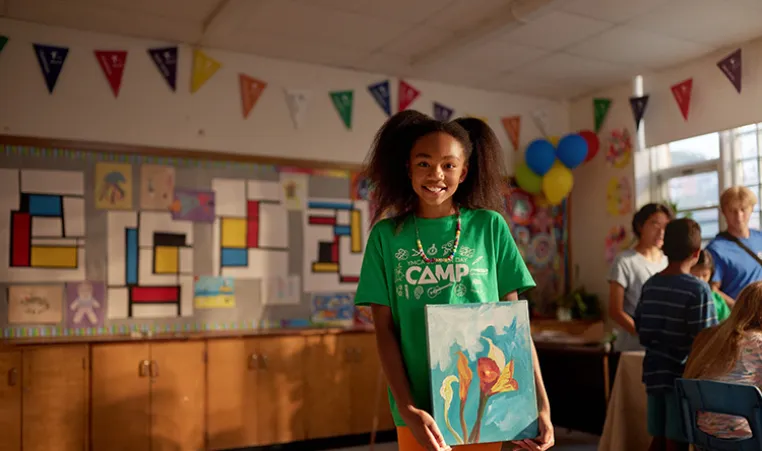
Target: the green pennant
(601, 108)
(344, 101)
(3, 41)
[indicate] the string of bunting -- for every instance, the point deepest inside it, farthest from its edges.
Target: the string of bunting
(113, 63)
(731, 66)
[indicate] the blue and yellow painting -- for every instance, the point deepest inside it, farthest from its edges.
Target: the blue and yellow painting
(481, 372)
(213, 292)
(333, 309)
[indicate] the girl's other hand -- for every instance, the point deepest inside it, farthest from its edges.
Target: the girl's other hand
(424, 429)
(544, 441)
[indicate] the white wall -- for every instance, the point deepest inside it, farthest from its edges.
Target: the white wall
(148, 113)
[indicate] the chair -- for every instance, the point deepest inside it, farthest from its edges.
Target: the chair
(720, 397)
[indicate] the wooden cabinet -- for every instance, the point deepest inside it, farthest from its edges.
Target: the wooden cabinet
(43, 398)
(255, 391)
(148, 396)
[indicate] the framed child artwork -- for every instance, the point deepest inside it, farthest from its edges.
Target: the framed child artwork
(481, 372)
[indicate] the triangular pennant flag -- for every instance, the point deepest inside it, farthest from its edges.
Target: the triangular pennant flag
(165, 59)
(682, 92)
(297, 101)
(251, 89)
(540, 118)
(382, 96)
(112, 62)
(442, 113)
(601, 109)
(406, 95)
(638, 105)
(512, 127)
(51, 59)
(3, 41)
(204, 68)
(731, 67)
(344, 102)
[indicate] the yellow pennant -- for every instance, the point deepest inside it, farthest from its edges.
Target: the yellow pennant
(204, 68)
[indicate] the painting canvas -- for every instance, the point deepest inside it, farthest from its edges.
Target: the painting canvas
(86, 303)
(482, 379)
(157, 187)
(193, 205)
(333, 309)
(113, 186)
(35, 304)
(214, 292)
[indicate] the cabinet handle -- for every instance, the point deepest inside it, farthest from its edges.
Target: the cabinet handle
(13, 376)
(143, 368)
(253, 362)
(154, 369)
(263, 362)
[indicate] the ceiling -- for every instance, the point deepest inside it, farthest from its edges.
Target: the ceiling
(557, 49)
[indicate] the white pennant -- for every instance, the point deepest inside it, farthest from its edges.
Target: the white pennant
(540, 118)
(297, 100)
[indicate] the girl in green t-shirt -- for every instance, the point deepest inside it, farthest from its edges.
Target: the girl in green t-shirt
(704, 269)
(444, 241)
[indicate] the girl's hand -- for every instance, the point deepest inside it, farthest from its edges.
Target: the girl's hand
(424, 429)
(544, 441)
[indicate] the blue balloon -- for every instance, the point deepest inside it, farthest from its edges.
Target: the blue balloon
(540, 156)
(572, 150)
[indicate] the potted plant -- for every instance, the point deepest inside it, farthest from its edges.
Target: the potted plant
(578, 304)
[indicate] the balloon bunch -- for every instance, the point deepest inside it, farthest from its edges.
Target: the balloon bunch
(547, 167)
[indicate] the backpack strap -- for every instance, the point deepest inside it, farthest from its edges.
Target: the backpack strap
(734, 239)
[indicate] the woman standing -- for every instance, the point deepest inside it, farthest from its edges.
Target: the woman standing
(632, 268)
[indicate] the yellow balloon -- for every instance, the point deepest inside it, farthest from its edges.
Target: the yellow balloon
(554, 140)
(557, 183)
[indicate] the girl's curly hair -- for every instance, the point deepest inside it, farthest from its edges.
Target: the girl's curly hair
(388, 162)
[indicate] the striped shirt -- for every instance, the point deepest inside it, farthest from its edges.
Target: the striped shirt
(673, 309)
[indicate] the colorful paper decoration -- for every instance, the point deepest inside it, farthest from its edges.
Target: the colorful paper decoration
(407, 95)
(251, 89)
(618, 196)
(620, 148)
(638, 105)
(165, 59)
(682, 92)
(3, 41)
(297, 100)
(442, 113)
(51, 59)
(381, 94)
(512, 127)
(343, 101)
(732, 68)
(112, 62)
(204, 68)
(601, 109)
(616, 241)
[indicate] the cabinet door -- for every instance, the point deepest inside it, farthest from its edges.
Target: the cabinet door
(366, 381)
(281, 379)
(327, 386)
(232, 405)
(177, 396)
(10, 401)
(55, 407)
(120, 397)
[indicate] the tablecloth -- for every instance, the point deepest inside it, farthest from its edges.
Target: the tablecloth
(625, 427)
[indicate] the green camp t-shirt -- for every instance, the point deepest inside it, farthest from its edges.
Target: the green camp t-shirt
(486, 267)
(720, 307)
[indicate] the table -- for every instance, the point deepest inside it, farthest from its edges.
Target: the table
(625, 427)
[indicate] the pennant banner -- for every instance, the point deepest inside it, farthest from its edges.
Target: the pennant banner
(512, 127)
(165, 59)
(601, 109)
(638, 105)
(112, 63)
(204, 68)
(51, 61)
(251, 89)
(297, 101)
(442, 113)
(730, 66)
(344, 102)
(3, 41)
(407, 95)
(540, 119)
(381, 94)
(682, 92)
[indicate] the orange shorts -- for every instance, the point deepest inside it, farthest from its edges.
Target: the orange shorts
(407, 442)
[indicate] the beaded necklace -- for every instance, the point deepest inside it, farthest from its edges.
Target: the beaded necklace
(447, 259)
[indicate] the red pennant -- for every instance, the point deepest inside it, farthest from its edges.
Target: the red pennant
(251, 89)
(407, 95)
(682, 92)
(512, 126)
(112, 63)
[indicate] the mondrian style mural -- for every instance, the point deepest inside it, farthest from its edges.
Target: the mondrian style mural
(250, 229)
(150, 270)
(334, 241)
(42, 226)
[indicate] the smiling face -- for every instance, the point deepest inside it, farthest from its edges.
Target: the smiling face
(437, 167)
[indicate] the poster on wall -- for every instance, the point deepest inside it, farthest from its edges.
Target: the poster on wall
(213, 292)
(113, 186)
(619, 196)
(616, 242)
(35, 304)
(619, 152)
(333, 309)
(157, 187)
(86, 304)
(193, 205)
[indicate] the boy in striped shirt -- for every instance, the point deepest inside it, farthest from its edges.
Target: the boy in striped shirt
(674, 307)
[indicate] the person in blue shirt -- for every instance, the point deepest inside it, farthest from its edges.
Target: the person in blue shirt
(674, 307)
(735, 267)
